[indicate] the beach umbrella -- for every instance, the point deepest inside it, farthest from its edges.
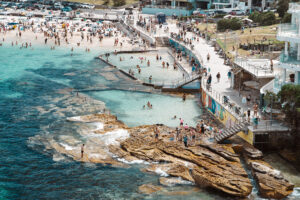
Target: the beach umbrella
(247, 20)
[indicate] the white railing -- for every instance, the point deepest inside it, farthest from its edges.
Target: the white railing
(263, 69)
(232, 109)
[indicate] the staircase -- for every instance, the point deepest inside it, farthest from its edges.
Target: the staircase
(182, 82)
(162, 41)
(231, 131)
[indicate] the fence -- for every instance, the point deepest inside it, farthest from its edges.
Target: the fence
(255, 68)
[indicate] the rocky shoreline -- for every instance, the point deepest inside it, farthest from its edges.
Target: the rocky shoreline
(205, 164)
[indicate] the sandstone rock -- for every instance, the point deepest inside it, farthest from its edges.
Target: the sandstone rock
(149, 188)
(271, 183)
(221, 171)
(253, 153)
(171, 169)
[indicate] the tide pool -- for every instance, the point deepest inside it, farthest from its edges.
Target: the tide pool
(128, 106)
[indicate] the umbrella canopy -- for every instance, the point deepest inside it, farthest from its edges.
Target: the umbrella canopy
(228, 16)
(247, 19)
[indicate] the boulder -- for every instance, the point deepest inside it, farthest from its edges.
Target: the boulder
(271, 182)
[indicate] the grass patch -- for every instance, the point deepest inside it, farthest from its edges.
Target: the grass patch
(234, 38)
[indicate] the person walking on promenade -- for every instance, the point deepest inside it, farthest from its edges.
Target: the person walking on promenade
(208, 57)
(82, 150)
(248, 114)
(248, 99)
(218, 76)
(229, 74)
(255, 109)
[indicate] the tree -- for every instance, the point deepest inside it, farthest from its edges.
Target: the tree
(282, 7)
(232, 24)
(118, 3)
(287, 18)
(263, 19)
(268, 18)
(105, 2)
(289, 96)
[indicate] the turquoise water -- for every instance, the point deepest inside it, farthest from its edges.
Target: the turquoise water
(128, 106)
(158, 73)
(35, 100)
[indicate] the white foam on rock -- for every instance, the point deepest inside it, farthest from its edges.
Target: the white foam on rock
(75, 119)
(58, 157)
(113, 137)
(67, 147)
(99, 126)
(133, 161)
(160, 172)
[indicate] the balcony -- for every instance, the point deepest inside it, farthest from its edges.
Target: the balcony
(294, 7)
(288, 33)
(290, 61)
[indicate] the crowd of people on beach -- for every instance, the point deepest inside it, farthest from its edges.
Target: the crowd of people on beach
(66, 33)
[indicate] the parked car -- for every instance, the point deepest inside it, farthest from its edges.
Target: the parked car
(237, 12)
(220, 12)
(66, 9)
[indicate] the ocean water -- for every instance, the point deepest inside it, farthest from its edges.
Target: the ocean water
(36, 98)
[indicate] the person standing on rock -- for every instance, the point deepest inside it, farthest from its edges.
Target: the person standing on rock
(156, 132)
(82, 150)
(185, 140)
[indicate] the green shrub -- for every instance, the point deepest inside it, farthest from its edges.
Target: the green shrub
(118, 3)
(232, 24)
(264, 19)
(287, 18)
(219, 16)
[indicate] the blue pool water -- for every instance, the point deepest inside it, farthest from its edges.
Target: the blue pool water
(35, 100)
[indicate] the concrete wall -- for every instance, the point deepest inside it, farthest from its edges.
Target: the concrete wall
(175, 44)
(223, 115)
(167, 11)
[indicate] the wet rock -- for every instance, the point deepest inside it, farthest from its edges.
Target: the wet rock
(149, 188)
(171, 169)
(209, 168)
(271, 182)
(253, 153)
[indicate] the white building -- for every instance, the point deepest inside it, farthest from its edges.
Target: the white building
(290, 58)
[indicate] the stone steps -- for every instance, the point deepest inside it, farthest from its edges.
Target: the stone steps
(230, 132)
